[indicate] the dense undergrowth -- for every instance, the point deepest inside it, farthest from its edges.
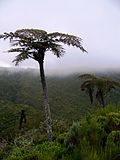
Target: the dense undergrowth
(95, 137)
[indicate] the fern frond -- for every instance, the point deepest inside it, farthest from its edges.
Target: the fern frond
(87, 76)
(67, 39)
(35, 42)
(21, 57)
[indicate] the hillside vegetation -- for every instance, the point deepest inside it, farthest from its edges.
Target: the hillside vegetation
(67, 101)
(94, 135)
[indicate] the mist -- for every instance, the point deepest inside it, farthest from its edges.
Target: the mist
(96, 22)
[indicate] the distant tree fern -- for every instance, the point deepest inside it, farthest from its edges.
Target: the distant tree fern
(98, 86)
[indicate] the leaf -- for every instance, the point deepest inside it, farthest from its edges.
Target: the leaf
(35, 42)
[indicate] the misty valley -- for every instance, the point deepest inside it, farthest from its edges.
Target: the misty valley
(59, 80)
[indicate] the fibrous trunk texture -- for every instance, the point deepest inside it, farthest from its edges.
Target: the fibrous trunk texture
(46, 103)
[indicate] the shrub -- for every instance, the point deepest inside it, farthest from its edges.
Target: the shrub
(23, 154)
(53, 149)
(96, 136)
(60, 137)
(112, 148)
(22, 141)
(112, 122)
(39, 138)
(90, 129)
(73, 136)
(44, 151)
(60, 126)
(1, 153)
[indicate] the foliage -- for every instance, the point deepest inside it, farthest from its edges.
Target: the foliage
(10, 116)
(24, 92)
(22, 141)
(73, 135)
(32, 43)
(96, 136)
(44, 151)
(91, 138)
(22, 154)
(113, 145)
(1, 153)
(60, 129)
(98, 86)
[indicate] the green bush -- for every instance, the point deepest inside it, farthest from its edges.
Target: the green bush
(73, 136)
(1, 153)
(112, 148)
(53, 149)
(22, 141)
(97, 136)
(90, 129)
(60, 137)
(44, 151)
(23, 154)
(39, 138)
(60, 126)
(112, 122)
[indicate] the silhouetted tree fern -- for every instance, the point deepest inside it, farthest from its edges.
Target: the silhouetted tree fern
(98, 86)
(34, 43)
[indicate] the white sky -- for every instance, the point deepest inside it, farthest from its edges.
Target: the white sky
(97, 22)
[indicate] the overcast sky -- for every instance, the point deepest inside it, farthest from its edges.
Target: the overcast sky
(97, 22)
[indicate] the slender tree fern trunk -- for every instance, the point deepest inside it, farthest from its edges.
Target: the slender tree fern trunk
(46, 103)
(91, 95)
(102, 99)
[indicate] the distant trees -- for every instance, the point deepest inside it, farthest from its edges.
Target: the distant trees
(34, 43)
(98, 87)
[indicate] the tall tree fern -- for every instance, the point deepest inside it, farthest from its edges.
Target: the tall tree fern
(34, 43)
